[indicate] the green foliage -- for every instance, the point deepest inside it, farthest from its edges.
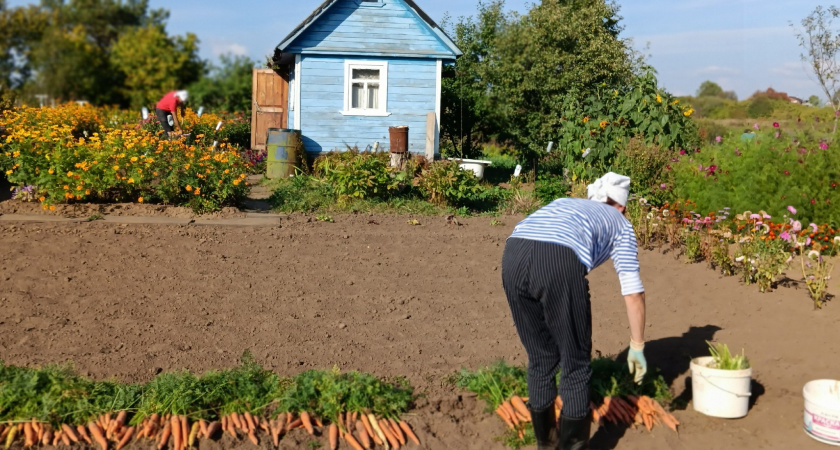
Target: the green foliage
(821, 45)
(328, 393)
(446, 183)
(226, 87)
(647, 167)
(724, 360)
(302, 193)
(152, 63)
(495, 383)
(765, 173)
(606, 121)
(693, 250)
(357, 175)
(56, 394)
(550, 187)
(760, 107)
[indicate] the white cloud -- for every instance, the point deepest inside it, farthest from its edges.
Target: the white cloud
(711, 41)
(231, 48)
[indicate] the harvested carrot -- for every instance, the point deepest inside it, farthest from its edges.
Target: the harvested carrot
(202, 427)
(97, 435)
(409, 432)
(47, 438)
(307, 422)
(56, 438)
(368, 428)
(126, 437)
(318, 422)
(519, 405)
(389, 434)
(333, 435)
(249, 420)
(253, 438)
(294, 424)
(84, 434)
(352, 441)
(237, 421)
(196, 427)
(364, 437)
(65, 439)
(511, 413)
(379, 437)
(503, 414)
(213, 428)
(69, 432)
(175, 429)
(164, 435)
(398, 432)
(28, 435)
(185, 431)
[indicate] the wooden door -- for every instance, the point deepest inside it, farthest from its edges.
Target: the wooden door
(270, 100)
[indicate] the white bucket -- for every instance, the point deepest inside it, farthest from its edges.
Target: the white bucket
(476, 165)
(822, 410)
(717, 392)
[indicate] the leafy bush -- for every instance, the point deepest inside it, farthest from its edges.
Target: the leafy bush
(302, 193)
(446, 183)
(550, 187)
(760, 107)
(357, 175)
(647, 167)
(769, 172)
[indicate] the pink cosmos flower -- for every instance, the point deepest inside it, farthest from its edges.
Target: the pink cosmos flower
(755, 216)
(796, 226)
(718, 139)
(755, 126)
(813, 227)
(775, 124)
(785, 236)
(791, 209)
(682, 152)
(823, 146)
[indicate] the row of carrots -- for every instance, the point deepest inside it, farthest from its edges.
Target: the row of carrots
(183, 434)
(634, 410)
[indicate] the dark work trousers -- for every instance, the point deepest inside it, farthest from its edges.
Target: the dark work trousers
(548, 294)
(163, 118)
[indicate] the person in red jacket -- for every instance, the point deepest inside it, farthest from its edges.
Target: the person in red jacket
(168, 107)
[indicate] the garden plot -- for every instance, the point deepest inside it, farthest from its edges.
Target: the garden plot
(375, 294)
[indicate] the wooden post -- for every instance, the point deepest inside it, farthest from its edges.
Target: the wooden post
(431, 127)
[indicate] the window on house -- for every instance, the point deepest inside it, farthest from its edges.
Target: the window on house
(365, 91)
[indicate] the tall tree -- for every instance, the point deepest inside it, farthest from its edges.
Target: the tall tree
(561, 48)
(226, 87)
(709, 88)
(152, 63)
(822, 47)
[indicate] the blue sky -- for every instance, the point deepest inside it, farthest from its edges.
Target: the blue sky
(743, 45)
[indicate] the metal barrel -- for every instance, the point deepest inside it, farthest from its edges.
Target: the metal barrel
(399, 139)
(285, 150)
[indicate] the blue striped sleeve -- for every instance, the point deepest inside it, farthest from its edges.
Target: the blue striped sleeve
(625, 256)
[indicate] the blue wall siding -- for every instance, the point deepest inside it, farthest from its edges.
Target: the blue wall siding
(411, 95)
(392, 29)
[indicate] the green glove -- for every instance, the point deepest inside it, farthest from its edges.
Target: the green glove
(636, 361)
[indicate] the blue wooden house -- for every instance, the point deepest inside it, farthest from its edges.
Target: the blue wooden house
(358, 67)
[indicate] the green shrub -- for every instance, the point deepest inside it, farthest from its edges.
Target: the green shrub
(358, 175)
(446, 183)
(550, 187)
(765, 173)
(760, 107)
(302, 193)
(647, 167)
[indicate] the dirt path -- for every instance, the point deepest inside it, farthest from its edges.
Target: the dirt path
(374, 293)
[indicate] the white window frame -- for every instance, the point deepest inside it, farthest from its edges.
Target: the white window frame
(371, 3)
(382, 67)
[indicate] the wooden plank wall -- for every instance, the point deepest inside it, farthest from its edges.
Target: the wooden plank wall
(411, 96)
(389, 29)
(270, 98)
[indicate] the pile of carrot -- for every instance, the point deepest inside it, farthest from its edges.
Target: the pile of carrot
(360, 431)
(631, 410)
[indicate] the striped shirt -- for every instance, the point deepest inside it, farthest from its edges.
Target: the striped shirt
(594, 231)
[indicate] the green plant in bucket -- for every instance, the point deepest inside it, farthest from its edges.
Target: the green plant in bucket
(723, 359)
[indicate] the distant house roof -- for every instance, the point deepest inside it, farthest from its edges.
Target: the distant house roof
(320, 10)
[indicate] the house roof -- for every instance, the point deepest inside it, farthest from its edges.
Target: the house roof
(320, 10)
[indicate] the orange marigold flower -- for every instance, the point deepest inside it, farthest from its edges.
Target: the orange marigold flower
(140, 200)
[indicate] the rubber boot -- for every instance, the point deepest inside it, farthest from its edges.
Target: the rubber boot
(574, 433)
(545, 428)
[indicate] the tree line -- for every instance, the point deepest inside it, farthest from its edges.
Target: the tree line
(110, 52)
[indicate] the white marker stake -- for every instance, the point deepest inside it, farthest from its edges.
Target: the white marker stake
(550, 145)
(145, 113)
(200, 111)
(517, 171)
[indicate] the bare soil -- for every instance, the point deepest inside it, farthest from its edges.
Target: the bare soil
(375, 293)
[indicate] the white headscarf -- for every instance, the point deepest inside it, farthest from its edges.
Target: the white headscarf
(182, 95)
(612, 185)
